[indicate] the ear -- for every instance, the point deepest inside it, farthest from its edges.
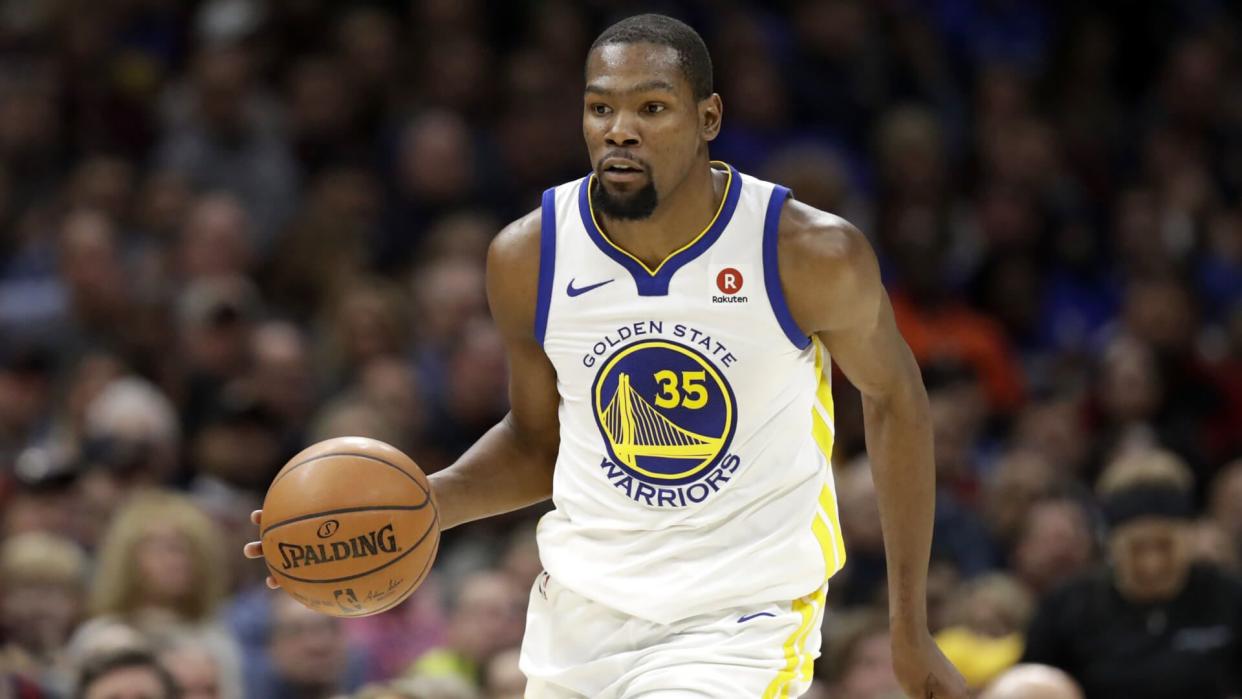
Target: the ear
(711, 111)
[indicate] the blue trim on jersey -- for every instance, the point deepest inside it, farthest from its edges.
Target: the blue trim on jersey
(656, 283)
(772, 269)
(547, 263)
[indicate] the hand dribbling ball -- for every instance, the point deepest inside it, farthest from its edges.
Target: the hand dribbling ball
(349, 527)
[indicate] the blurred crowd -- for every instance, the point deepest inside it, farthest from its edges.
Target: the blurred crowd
(230, 228)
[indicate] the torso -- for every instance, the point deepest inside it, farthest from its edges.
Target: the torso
(695, 416)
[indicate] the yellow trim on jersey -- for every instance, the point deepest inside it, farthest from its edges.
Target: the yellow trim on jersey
(797, 659)
(826, 525)
(671, 255)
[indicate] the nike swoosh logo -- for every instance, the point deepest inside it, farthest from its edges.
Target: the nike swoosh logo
(756, 615)
(583, 289)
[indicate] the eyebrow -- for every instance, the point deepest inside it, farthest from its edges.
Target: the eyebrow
(646, 86)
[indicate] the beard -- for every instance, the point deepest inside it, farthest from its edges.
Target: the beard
(634, 206)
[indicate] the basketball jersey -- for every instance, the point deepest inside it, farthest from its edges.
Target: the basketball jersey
(696, 419)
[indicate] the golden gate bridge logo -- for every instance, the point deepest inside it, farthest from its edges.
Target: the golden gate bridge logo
(665, 411)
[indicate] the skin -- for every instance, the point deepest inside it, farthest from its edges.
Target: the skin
(638, 102)
(1033, 682)
(1151, 558)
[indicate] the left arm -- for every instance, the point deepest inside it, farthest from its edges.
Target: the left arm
(833, 289)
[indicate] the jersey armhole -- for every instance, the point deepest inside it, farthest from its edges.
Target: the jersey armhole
(547, 263)
(772, 269)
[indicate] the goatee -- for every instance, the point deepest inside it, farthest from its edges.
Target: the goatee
(634, 206)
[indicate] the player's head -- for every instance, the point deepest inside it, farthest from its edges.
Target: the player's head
(648, 111)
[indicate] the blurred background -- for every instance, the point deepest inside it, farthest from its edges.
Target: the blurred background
(229, 228)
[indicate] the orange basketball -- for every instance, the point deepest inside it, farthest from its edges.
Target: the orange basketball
(349, 527)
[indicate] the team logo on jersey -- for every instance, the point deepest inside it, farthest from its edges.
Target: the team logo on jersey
(667, 416)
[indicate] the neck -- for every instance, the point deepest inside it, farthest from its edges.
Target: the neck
(678, 218)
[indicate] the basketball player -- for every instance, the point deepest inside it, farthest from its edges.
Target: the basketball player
(669, 323)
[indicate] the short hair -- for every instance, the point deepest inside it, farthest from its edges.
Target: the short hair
(662, 30)
(39, 557)
(96, 667)
(1145, 467)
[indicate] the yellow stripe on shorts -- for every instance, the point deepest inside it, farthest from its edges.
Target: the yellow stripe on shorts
(794, 649)
(808, 659)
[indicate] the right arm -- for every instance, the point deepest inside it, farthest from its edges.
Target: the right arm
(511, 466)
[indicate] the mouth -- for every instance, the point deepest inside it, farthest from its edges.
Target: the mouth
(621, 170)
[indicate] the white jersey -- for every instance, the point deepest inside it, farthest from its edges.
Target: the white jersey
(696, 419)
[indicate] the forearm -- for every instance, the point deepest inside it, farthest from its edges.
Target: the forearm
(899, 441)
(500, 473)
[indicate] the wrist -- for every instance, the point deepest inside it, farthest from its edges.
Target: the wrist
(907, 623)
(436, 486)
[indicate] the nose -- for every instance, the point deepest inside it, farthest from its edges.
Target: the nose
(622, 132)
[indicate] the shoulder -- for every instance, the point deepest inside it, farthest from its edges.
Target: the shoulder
(827, 267)
(828, 238)
(1209, 581)
(517, 244)
(513, 274)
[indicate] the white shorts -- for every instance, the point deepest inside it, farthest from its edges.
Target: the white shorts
(575, 647)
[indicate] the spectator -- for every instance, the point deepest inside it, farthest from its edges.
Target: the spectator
(216, 240)
(859, 580)
(1153, 625)
(198, 668)
(25, 397)
(237, 448)
(160, 568)
(368, 321)
(1054, 543)
(485, 617)
(93, 274)
(859, 661)
(131, 440)
(44, 496)
(503, 678)
(1226, 503)
(132, 674)
(280, 376)
(1019, 480)
(309, 655)
(220, 134)
(42, 598)
(987, 619)
(1033, 682)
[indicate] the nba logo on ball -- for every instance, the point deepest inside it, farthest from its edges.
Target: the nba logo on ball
(729, 282)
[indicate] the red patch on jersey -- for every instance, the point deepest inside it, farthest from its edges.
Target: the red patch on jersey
(729, 281)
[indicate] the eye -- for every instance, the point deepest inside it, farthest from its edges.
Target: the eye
(600, 109)
(654, 108)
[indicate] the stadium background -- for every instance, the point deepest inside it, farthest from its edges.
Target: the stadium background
(231, 228)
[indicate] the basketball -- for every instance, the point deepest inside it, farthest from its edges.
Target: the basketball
(349, 528)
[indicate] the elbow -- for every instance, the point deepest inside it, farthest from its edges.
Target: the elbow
(905, 399)
(536, 445)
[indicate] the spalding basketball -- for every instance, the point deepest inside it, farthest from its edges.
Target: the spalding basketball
(349, 527)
